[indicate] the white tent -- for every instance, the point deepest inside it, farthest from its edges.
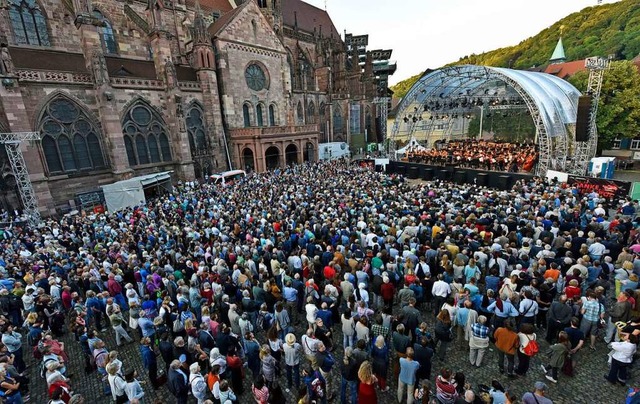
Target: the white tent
(412, 146)
(129, 193)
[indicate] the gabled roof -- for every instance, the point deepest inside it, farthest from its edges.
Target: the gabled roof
(224, 6)
(558, 53)
(225, 19)
(308, 17)
(565, 70)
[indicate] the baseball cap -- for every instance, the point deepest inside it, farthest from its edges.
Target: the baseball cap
(541, 386)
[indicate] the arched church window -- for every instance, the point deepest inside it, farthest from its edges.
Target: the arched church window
(195, 128)
(70, 140)
(338, 125)
(145, 135)
(106, 34)
(246, 115)
(259, 116)
(272, 115)
(28, 22)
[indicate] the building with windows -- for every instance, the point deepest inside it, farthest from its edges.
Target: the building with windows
(121, 89)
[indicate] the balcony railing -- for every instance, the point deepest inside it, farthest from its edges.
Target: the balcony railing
(273, 130)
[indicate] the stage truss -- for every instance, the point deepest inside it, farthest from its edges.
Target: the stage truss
(11, 143)
(551, 102)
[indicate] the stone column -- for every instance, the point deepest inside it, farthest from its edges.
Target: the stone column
(108, 111)
(174, 118)
(208, 81)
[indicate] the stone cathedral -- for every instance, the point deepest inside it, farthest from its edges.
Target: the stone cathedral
(122, 88)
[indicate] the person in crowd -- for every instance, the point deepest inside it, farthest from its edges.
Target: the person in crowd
(201, 268)
(621, 358)
(538, 395)
(557, 354)
(507, 343)
(478, 341)
(349, 374)
(292, 355)
(408, 369)
(367, 387)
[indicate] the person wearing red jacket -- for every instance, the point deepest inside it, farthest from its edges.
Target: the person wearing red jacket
(387, 291)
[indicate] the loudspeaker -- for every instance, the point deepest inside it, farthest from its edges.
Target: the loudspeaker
(583, 118)
(444, 175)
(391, 167)
(482, 179)
(412, 172)
(428, 174)
(460, 177)
(504, 182)
(401, 169)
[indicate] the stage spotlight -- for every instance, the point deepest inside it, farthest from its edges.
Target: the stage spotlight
(405, 119)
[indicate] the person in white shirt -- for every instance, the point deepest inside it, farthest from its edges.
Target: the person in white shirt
(117, 384)
(198, 385)
(621, 357)
(440, 291)
(312, 310)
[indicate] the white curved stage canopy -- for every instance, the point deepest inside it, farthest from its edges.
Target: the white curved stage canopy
(551, 101)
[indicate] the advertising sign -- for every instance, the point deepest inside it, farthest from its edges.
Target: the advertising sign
(608, 189)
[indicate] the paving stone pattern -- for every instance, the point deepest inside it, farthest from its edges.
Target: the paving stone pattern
(587, 386)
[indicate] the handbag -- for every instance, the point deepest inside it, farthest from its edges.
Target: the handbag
(601, 322)
(567, 366)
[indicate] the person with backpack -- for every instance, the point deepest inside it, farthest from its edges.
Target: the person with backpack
(197, 383)
(528, 347)
(325, 362)
(316, 385)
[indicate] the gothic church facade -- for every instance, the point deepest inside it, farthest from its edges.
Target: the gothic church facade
(125, 88)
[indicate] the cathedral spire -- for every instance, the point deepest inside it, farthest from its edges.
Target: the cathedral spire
(558, 53)
(200, 32)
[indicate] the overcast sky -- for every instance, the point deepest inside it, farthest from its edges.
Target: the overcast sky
(431, 33)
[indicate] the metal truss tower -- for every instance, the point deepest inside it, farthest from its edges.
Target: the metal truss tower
(383, 109)
(11, 143)
(584, 151)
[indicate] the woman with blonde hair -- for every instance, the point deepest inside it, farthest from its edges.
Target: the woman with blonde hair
(380, 358)
(269, 365)
(367, 391)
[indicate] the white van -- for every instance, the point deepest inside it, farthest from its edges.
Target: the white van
(227, 177)
(333, 150)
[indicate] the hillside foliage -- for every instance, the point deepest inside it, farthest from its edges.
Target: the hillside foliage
(608, 29)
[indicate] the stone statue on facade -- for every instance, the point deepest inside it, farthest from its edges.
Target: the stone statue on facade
(170, 74)
(6, 64)
(99, 68)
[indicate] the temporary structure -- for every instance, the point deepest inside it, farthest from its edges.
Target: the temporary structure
(131, 192)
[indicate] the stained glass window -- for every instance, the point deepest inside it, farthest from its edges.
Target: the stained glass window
(28, 22)
(338, 125)
(195, 128)
(259, 116)
(246, 115)
(255, 77)
(145, 136)
(70, 141)
(272, 115)
(106, 34)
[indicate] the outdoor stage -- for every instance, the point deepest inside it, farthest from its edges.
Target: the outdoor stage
(496, 179)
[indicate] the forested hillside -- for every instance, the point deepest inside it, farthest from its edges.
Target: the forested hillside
(608, 29)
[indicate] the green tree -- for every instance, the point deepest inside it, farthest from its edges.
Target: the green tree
(619, 106)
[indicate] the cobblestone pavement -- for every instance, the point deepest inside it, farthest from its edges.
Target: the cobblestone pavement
(587, 386)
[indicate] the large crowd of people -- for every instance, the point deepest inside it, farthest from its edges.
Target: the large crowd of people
(289, 277)
(480, 154)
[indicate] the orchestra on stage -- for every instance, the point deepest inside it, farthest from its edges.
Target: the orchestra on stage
(480, 154)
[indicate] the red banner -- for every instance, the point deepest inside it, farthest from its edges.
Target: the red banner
(608, 189)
